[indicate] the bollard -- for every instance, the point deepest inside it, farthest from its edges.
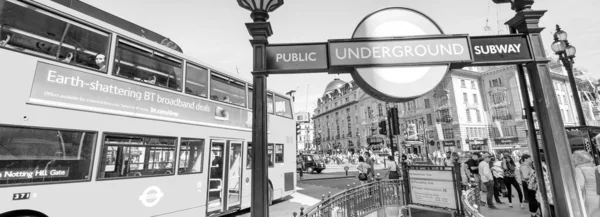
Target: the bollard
(323, 197)
(295, 214)
(301, 211)
(329, 195)
(346, 168)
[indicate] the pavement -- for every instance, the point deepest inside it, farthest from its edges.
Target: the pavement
(314, 187)
(503, 209)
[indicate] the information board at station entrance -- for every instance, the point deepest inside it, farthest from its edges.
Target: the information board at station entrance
(432, 188)
(401, 51)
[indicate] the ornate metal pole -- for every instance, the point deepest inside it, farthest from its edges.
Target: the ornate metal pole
(566, 194)
(260, 30)
(569, 66)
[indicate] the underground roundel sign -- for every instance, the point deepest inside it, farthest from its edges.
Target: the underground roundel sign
(401, 83)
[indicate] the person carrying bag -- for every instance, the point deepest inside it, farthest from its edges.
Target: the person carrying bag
(363, 170)
(393, 169)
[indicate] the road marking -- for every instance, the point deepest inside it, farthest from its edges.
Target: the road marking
(303, 199)
(299, 188)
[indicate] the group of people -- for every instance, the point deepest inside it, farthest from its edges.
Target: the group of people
(500, 176)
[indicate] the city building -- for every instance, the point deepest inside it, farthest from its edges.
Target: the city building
(304, 132)
(336, 118)
(476, 108)
(450, 117)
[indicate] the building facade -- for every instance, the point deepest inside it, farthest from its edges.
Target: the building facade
(450, 117)
(471, 109)
(304, 132)
(336, 118)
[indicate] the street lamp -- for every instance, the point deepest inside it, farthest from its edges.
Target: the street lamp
(566, 53)
(260, 30)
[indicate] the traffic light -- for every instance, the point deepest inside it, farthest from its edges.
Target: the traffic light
(383, 127)
(298, 129)
(395, 128)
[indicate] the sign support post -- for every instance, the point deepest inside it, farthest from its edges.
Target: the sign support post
(259, 31)
(566, 196)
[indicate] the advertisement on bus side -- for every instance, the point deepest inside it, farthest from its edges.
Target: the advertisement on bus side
(64, 87)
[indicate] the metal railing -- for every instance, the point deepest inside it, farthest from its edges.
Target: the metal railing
(470, 200)
(359, 201)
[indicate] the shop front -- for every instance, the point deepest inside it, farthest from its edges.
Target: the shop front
(478, 144)
(450, 145)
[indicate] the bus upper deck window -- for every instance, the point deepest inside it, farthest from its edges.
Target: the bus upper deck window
(141, 64)
(25, 29)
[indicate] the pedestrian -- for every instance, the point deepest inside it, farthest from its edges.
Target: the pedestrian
(586, 181)
(448, 161)
(394, 170)
(508, 166)
(534, 184)
(525, 171)
(496, 167)
(300, 166)
(363, 170)
(473, 170)
(487, 179)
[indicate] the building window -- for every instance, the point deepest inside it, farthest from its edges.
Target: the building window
(473, 86)
(448, 134)
(496, 82)
(468, 115)
(465, 98)
(463, 84)
(348, 119)
(380, 108)
(569, 114)
(478, 115)
(427, 105)
(429, 121)
(475, 98)
(337, 126)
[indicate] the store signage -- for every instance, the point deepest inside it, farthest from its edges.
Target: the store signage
(33, 173)
(403, 51)
(506, 141)
(432, 188)
(64, 87)
(478, 141)
(502, 48)
(449, 143)
(299, 57)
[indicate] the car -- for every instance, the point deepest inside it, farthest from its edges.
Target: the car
(313, 163)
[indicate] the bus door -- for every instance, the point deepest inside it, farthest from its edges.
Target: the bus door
(224, 180)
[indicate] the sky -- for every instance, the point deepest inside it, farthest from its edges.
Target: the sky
(214, 31)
